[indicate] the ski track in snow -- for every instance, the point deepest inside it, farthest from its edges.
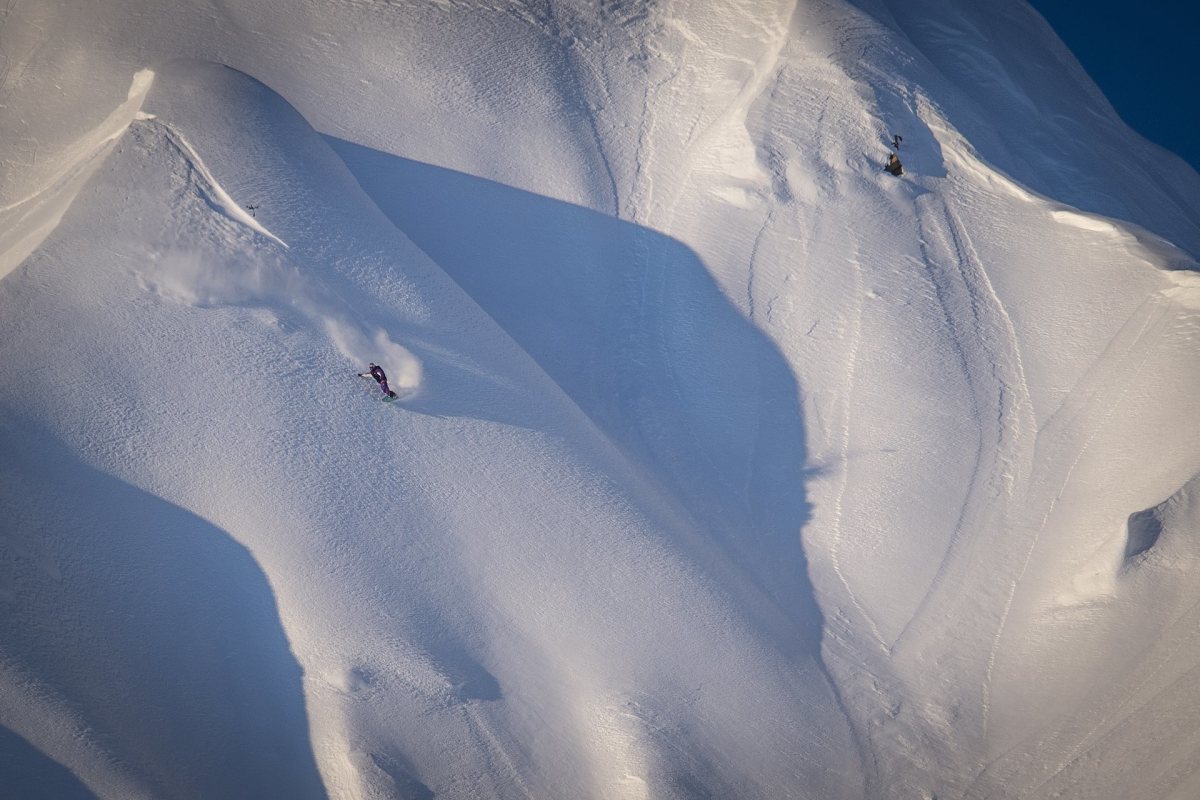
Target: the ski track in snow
(646, 208)
(1112, 720)
(942, 294)
(1015, 416)
(977, 323)
(496, 752)
(578, 93)
(847, 393)
(1105, 384)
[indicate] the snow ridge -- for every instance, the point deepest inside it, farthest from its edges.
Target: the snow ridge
(30, 219)
(218, 197)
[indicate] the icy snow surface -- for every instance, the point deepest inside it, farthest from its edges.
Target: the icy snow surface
(725, 464)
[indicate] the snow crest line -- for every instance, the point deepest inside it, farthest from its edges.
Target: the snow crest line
(90, 144)
(39, 212)
(220, 197)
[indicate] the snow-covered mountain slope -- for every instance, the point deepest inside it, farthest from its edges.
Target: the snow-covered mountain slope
(725, 464)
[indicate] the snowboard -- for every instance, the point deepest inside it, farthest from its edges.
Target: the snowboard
(387, 398)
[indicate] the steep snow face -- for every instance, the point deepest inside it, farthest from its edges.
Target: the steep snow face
(481, 564)
(726, 464)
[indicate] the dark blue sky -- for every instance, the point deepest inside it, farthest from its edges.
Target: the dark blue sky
(1145, 56)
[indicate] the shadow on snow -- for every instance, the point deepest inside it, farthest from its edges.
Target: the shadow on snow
(633, 328)
(26, 772)
(159, 630)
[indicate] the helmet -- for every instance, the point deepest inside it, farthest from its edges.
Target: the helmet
(372, 364)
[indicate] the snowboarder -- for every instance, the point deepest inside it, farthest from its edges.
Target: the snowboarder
(896, 140)
(380, 377)
(893, 165)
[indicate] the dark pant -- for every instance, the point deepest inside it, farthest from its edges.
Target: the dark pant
(383, 385)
